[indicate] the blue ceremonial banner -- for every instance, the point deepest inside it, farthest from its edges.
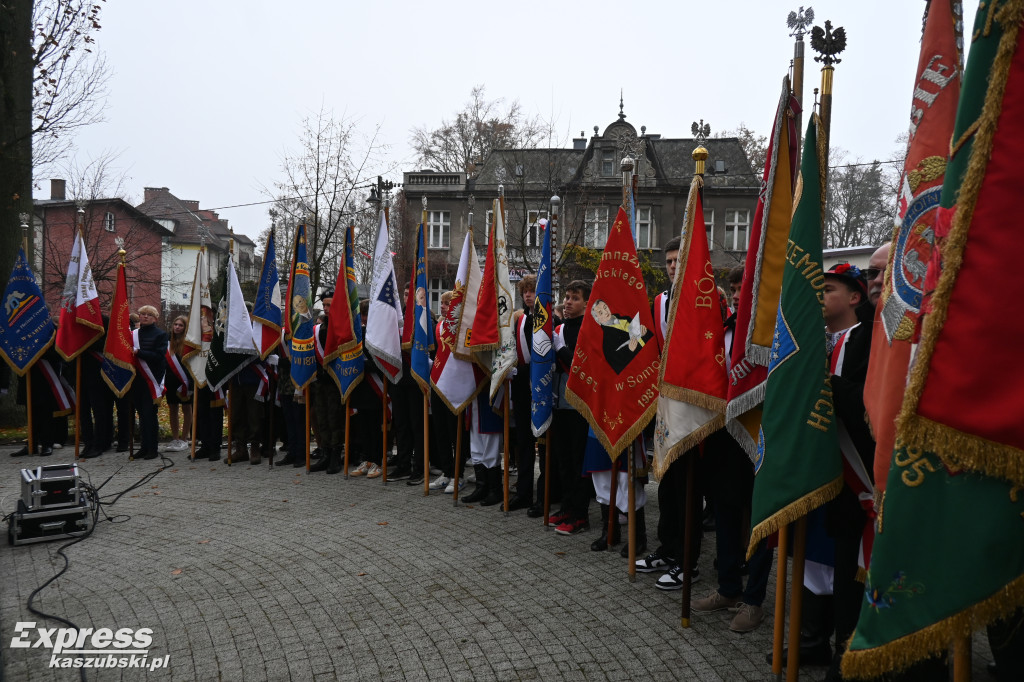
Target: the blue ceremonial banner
(298, 316)
(542, 355)
(266, 309)
(26, 330)
(423, 322)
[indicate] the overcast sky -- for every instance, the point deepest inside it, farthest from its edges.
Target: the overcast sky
(207, 96)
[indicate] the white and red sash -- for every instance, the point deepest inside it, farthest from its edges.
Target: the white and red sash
(854, 473)
(661, 305)
(156, 388)
(61, 389)
(319, 346)
(522, 349)
(175, 367)
(263, 390)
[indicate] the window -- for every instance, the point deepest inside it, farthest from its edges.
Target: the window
(488, 221)
(439, 227)
(436, 289)
(646, 229)
(709, 225)
(607, 163)
(596, 227)
(108, 222)
(737, 228)
(533, 233)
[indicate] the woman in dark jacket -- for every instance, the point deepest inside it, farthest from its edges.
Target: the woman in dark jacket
(147, 389)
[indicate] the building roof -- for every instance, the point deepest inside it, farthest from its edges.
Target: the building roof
(123, 205)
(190, 224)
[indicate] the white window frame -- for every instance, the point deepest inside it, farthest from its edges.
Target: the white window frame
(439, 229)
(595, 229)
(646, 228)
(737, 228)
(532, 234)
(109, 221)
(608, 155)
(435, 288)
(709, 227)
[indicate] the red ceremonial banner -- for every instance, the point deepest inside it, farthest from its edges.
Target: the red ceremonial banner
(614, 377)
(485, 324)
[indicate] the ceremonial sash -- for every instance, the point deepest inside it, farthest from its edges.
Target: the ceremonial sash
(522, 350)
(156, 388)
(61, 390)
(854, 472)
(178, 370)
(661, 317)
(319, 346)
(263, 390)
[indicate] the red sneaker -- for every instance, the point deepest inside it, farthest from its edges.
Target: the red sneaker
(572, 526)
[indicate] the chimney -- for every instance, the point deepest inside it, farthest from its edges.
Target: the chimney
(152, 192)
(190, 204)
(57, 190)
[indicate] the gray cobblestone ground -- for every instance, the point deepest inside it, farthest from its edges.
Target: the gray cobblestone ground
(248, 573)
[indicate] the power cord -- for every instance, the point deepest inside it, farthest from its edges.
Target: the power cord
(92, 493)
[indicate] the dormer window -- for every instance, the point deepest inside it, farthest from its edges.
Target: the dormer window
(607, 163)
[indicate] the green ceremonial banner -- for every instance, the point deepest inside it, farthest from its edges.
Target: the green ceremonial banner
(948, 556)
(798, 466)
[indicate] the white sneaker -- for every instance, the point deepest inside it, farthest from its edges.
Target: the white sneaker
(440, 482)
(451, 486)
(434, 471)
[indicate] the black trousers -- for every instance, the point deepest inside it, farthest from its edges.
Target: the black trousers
(672, 507)
(571, 438)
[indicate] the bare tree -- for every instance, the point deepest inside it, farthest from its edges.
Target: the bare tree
(461, 144)
(69, 76)
(754, 146)
(861, 205)
(324, 187)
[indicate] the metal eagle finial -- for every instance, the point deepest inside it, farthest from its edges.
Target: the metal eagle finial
(828, 43)
(799, 21)
(700, 131)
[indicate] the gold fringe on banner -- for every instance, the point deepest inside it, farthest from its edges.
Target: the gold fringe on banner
(934, 639)
(959, 450)
(793, 511)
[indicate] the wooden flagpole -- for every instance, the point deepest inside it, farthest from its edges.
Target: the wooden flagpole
(384, 430)
(962, 658)
(271, 439)
(305, 400)
(778, 634)
(632, 517)
(505, 453)
(426, 393)
(796, 597)
(195, 417)
(688, 537)
(227, 408)
(547, 477)
(348, 424)
(613, 511)
(458, 460)
(78, 406)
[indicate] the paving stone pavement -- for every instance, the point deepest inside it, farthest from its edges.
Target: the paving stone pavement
(246, 572)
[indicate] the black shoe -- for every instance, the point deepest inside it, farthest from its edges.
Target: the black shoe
(147, 455)
(92, 454)
(399, 473)
(536, 511)
(122, 448)
(415, 478)
(818, 654)
(518, 502)
(213, 456)
(334, 464)
(320, 465)
(287, 459)
(21, 453)
(496, 489)
(46, 451)
(298, 462)
(316, 454)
